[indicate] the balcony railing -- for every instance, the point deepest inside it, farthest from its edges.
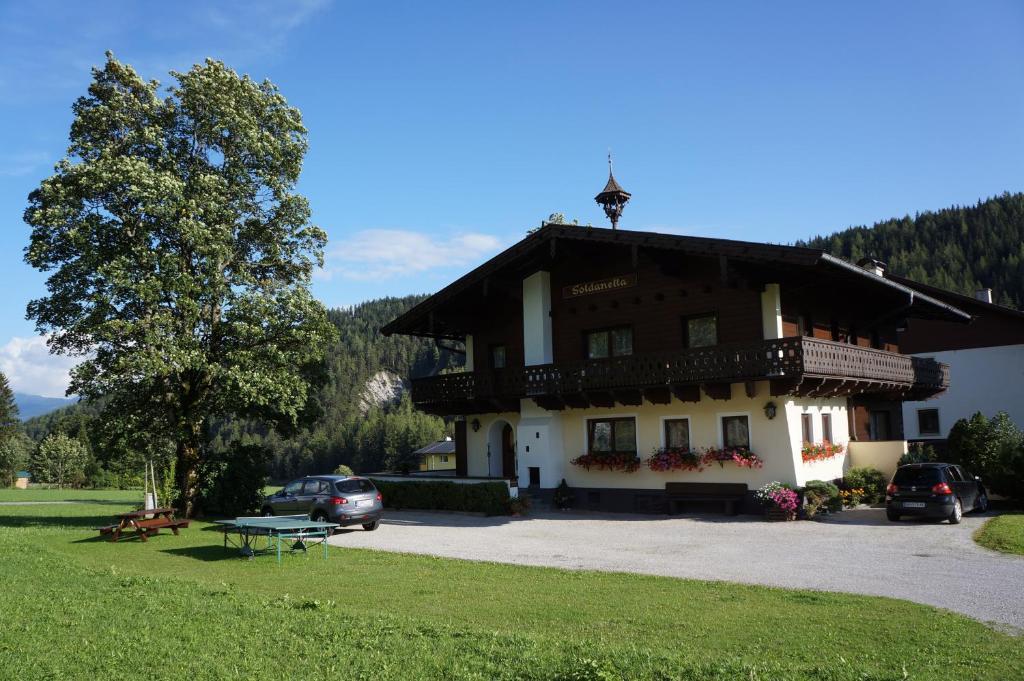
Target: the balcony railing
(797, 364)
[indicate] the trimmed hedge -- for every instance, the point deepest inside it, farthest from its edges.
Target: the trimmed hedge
(491, 498)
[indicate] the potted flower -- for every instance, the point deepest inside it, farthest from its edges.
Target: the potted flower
(779, 500)
(665, 459)
(741, 456)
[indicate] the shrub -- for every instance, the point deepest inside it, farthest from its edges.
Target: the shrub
(342, 469)
(491, 498)
(232, 481)
(871, 480)
(918, 452)
(992, 449)
(819, 495)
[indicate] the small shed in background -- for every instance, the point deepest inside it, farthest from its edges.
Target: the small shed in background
(21, 479)
(437, 456)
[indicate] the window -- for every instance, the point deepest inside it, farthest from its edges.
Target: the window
(617, 342)
(354, 485)
(806, 325)
(807, 427)
(879, 425)
(497, 356)
(736, 431)
(677, 433)
(826, 427)
(700, 331)
(608, 436)
(928, 421)
(314, 487)
(954, 474)
(876, 340)
(293, 488)
(444, 458)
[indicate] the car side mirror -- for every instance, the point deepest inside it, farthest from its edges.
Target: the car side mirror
(978, 478)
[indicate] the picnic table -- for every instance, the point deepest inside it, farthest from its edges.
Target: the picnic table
(143, 523)
(275, 530)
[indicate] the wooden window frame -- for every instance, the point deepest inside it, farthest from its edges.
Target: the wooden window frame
(664, 429)
(607, 330)
(686, 329)
(722, 431)
(807, 427)
(938, 423)
(826, 427)
(613, 420)
(490, 356)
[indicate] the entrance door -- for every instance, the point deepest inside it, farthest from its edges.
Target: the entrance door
(508, 453)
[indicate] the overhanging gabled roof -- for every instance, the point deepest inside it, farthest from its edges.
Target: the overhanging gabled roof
(412, 322)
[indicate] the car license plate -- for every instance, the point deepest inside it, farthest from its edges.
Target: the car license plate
(913, 504)
(366, 502)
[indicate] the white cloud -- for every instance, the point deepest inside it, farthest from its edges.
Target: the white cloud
(376, 254)
(31, 368)
(22, 163)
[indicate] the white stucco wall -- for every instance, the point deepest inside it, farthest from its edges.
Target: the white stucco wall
(554, 438)
(771, 311)
(988, 380)
(537, 344)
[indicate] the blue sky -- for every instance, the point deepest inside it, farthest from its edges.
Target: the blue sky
(441, 131)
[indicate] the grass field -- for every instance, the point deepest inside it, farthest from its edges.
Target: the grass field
(74, 606)
(1003, 533)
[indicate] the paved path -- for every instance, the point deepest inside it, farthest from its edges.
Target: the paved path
(858, 551)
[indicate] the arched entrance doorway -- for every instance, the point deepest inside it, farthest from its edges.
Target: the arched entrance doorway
(501, 450)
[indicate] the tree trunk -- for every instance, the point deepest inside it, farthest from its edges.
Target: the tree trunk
(186, 471)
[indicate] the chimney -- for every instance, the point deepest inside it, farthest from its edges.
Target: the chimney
(872, 265)
(984, 295)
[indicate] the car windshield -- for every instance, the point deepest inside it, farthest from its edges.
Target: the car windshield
(918, 477)
(354, 486)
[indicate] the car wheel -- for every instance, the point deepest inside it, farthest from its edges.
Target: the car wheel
(893, 516)
(981, 503)
(957, 514)
(370, 527)
(267, 512)
(321, 517)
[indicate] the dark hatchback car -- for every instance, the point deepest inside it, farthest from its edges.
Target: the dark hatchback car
(934, 490)
(329, 498)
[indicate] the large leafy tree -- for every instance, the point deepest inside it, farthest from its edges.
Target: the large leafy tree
(60, 459)
(180, 258)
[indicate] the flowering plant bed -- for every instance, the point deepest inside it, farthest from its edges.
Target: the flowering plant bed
(820, 451)
(627, 463)
(780, 501)
(675, 459)
(744, 458)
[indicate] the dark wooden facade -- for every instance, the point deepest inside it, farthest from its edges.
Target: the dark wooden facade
(840, 324)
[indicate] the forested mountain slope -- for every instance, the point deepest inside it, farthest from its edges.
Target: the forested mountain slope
(960, 249)
(344, 433)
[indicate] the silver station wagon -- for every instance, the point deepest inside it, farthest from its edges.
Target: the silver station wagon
(346, 500)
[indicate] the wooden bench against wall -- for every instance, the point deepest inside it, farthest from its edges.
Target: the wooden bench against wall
(729, 494)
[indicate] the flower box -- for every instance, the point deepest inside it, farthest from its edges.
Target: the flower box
(627, 463)
(744, 458)
(776, 514)
(820, 451)
(667, 459)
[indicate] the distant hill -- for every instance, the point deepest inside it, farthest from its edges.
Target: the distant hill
(30, 406)
(961, 248)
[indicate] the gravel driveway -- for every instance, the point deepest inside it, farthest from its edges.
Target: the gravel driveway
(857, 551)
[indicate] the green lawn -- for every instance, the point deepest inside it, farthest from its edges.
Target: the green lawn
(176, 607)
(1003, 533)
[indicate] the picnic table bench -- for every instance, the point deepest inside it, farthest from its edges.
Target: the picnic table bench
(728, 493)
(142, 525)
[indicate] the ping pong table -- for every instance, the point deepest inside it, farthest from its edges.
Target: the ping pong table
(275, 530)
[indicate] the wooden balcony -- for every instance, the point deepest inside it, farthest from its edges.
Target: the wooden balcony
(794, 366)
